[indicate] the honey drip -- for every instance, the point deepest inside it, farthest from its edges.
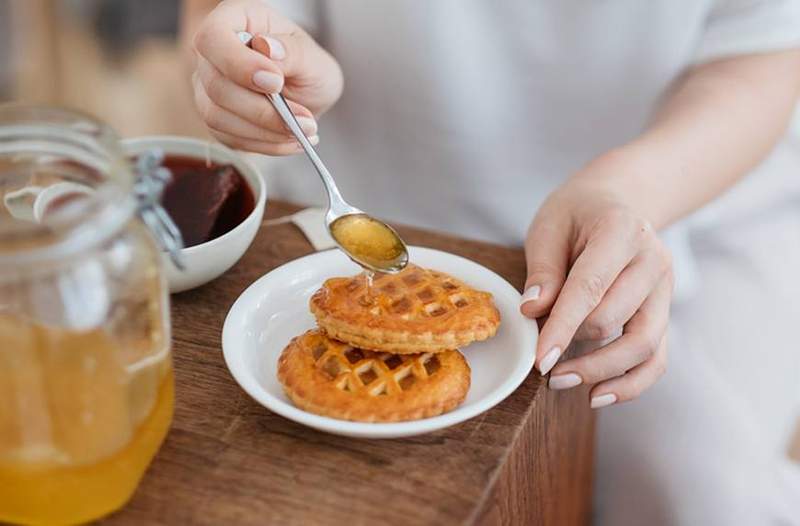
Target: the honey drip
(208, 154)
(370, 280)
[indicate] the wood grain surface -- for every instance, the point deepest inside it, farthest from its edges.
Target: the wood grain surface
(229, 461)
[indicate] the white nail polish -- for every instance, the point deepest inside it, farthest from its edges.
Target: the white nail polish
(276, 49)
(549, 360)
(314, 140)
(267, 81)
(532, 293)
(308, 125)
(603, 400)
(564, 381)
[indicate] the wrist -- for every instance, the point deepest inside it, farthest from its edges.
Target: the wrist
(634, 176)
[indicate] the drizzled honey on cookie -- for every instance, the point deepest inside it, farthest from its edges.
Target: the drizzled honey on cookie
(416, 310)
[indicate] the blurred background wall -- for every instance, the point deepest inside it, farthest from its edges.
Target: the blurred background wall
(119, 60)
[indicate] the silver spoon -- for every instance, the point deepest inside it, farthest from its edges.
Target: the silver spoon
(369, 242)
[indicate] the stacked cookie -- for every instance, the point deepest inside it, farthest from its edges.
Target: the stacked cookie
(386, 349)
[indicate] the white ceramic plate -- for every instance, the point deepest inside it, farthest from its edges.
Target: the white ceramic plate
(274, 309)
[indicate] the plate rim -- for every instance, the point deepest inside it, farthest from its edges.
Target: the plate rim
(248, 383)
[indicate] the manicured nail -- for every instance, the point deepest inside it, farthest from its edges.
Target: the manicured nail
(269, 82)
(603, 400)
(532, 293)
(308, 125)
(549, 360)
(564, 381)
(276, 49)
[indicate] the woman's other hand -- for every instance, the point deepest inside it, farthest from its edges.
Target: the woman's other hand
(230, 79)
(597, 269)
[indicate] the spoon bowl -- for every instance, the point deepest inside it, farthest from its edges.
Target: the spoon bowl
(371, 243)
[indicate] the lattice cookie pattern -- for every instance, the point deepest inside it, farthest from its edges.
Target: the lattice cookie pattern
(334, 379)
(417, 310)
(376, 373)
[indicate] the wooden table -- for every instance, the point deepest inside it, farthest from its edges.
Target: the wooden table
(229, 461)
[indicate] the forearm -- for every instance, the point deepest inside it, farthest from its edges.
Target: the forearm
(716, 124)
(192, 14)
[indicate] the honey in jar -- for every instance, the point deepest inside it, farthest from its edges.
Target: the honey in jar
(86, 382)
(92, 422)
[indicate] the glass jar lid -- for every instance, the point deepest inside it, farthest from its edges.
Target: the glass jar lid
(65, 185)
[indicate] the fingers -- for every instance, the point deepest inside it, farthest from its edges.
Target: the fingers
(250, 145)
(232, 77)
(220, 119)
(218, 43)
(291, 51)
(313, 76)
(601, 261)
(547, 254)
(212, 86)
(639, 344)
(626, 295)
(630, 385)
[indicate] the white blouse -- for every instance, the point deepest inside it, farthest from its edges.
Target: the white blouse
(463, 115)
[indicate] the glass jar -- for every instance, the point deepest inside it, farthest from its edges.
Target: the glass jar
(86, 387)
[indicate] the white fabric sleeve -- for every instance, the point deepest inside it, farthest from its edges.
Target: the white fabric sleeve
(737, 27)
(304, 13)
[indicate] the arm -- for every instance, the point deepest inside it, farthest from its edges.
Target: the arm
(720, 120)
(192, 14)
(595, 264)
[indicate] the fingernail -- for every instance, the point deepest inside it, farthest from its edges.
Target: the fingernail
(603, 400)
(564, 381)
(276, 49)
(549, 360)
(308, 125)
(269, 82)
(532, 293)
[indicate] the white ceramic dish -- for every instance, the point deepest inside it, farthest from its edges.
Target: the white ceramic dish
(208, 260)
(275, 308)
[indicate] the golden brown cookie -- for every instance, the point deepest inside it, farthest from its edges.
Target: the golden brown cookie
(331, 378)
(416, 310)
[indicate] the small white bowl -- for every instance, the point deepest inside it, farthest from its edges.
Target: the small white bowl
(211, 259)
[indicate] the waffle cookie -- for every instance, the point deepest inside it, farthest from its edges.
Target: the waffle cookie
(414, 311)
(331, 378)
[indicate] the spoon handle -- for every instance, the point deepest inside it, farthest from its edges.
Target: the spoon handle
(337, 204)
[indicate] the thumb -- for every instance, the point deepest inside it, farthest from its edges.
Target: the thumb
(547, 253)
(310, 71)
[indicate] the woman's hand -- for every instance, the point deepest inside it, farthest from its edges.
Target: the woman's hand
(596, 268)
(595, 264)
(230, 79)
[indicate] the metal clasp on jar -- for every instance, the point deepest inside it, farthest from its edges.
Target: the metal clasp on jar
(151, 179)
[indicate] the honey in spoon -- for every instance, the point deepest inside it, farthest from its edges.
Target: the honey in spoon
(370, 242)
